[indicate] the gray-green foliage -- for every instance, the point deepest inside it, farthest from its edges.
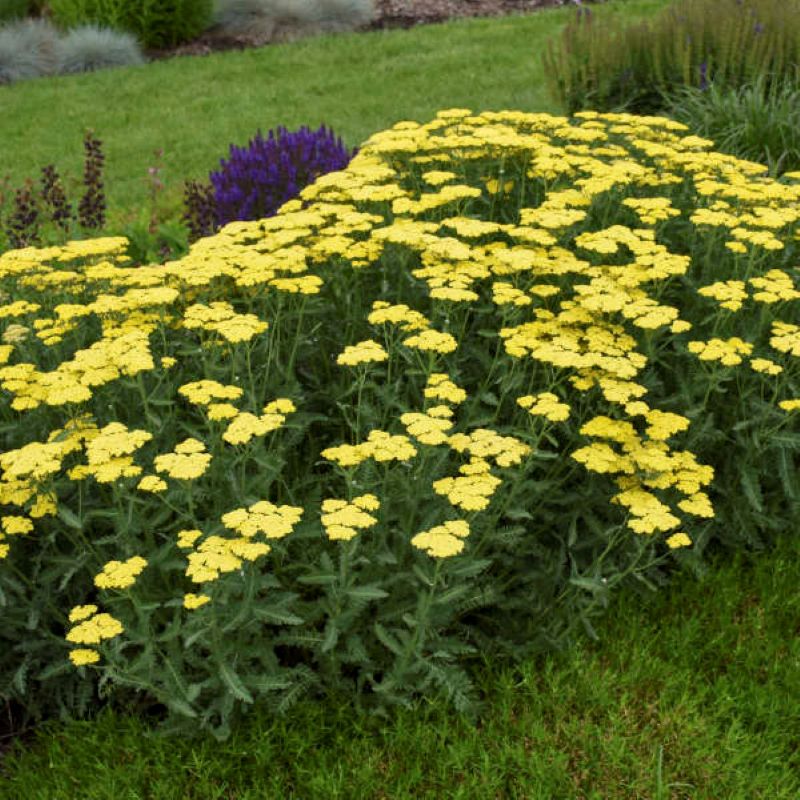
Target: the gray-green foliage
(92, 47)
(282, 20)
(752, 122)
(32, 48)
(27, 50)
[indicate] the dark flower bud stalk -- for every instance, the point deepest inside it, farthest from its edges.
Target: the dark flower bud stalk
(201, 210)
(55, 198)
(92, 207)
(22, 228)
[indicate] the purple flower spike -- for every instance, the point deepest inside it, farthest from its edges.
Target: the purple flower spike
(258, 179)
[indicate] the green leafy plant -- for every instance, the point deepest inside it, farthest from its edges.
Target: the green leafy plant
(155, 23)
(597, 64)
(13, 9)
(753, 122)
(438, 408)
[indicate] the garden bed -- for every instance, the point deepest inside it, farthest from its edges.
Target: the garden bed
(391, 14)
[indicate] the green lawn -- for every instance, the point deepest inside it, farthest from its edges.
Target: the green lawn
(195, 108)
(691, 693)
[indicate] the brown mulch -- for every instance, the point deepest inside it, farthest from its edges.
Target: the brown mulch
(391, 14)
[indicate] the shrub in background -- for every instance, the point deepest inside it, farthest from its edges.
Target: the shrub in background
(597, 64)
(28, 49)
(434, 410)
(90, 47)
(753, 122)
(259, 178)
(155, 23)
(13, 9)
(284, 20)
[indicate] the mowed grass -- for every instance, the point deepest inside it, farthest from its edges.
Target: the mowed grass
(690, 693)
(196, 107)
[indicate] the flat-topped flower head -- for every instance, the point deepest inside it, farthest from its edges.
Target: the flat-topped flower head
(440, 387)
(364, 352)
(342, 519)
(95, 629)
(187, 462)
(205, 391)
(120, 574)
(443, 541)
(545, 404)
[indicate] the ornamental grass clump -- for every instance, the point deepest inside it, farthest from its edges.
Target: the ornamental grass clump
(750, 122)
(264, 21)
(91, 47)
(28, 49)
(433, 411)
(596, 64)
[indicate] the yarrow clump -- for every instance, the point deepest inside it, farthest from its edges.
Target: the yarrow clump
(621, 339)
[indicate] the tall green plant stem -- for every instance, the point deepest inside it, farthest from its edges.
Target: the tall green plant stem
(420, 629)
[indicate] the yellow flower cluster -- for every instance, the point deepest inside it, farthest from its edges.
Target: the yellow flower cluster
(244, 426)
(729, 294)
(217, 555)
(220, 317)
(342, 519)
(678, 540)
(485, 443)
(362, 353)
(399, 314)
(193, 601)
(786, 338)
(187, 462)
(204, 392)
(645, 464)
(443, 540)
(120, 574)
(380, 445)
(187, 538)
(432, 341)
(545, 404)
(273, 521)
(108, 452)
(651, 210)
(727, 351)
(776, 286)
(440, 387)
(504, 293)
(429, 427)
(151, 483)
(471, 491)
(95, 629)
(123, 351)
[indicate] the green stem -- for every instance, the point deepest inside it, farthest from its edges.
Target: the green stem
(290, 367)
(418, 639)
